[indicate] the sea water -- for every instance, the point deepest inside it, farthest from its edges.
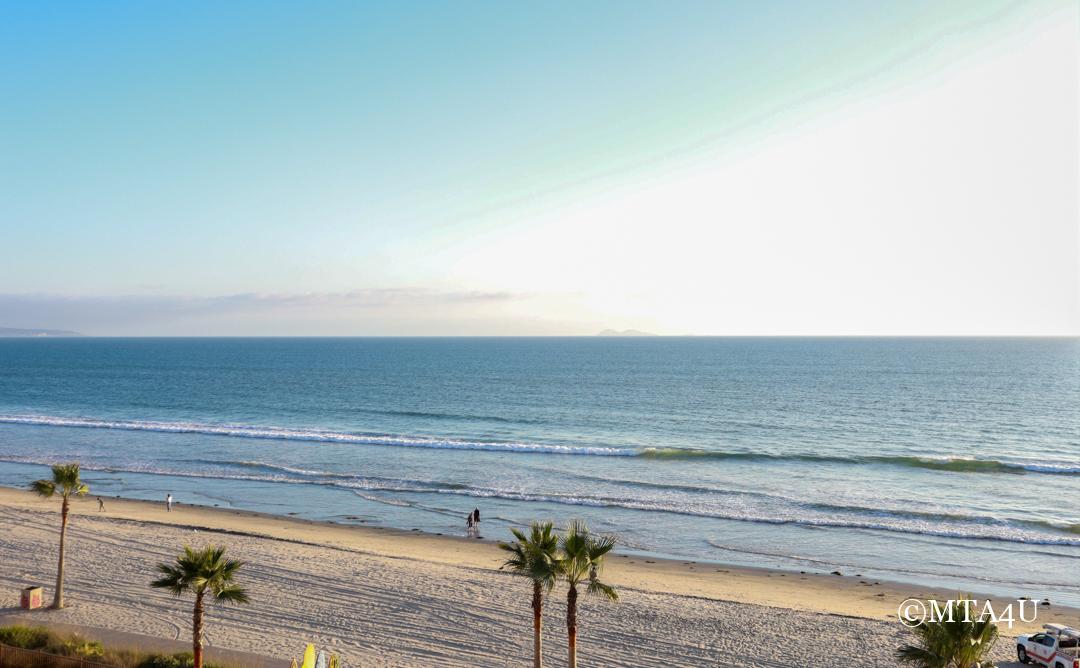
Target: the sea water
(949, 462)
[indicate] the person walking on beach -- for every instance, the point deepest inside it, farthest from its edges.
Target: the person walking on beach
(476, 517)
(469, 524)
(100, 505)
(168, 503)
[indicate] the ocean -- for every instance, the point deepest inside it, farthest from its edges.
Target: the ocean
(949, 462)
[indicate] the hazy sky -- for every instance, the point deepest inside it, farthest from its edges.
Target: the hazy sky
(540, 168)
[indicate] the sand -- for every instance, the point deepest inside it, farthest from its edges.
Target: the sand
(385, 597)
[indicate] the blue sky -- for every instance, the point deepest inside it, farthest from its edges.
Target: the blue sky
(555, 168)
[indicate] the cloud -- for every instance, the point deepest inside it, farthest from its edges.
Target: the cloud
(405, 310)
(362, 298)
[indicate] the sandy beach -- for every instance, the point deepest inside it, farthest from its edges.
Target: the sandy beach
(401, 598)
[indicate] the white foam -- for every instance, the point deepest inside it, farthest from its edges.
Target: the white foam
(1061, 469)
(316, 435)
(1003, 531)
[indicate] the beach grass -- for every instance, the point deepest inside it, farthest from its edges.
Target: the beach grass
(61, 646)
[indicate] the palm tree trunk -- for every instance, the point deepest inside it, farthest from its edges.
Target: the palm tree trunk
(196, 632)
(538, 625)
(571, 625)
(58, 595)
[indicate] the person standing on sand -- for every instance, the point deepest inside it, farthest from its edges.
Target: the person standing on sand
(100, 505)
(168, 503)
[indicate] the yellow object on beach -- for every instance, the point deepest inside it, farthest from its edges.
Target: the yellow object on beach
(309, 657)
(294, 664)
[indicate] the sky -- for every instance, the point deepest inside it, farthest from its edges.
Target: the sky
(839, 167)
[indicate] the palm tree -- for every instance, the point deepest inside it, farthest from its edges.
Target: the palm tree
(65, 482)
(535, 556)
(202, 572)
(583, 559)
(959, 640)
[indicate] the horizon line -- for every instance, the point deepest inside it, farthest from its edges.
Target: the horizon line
(547, 336)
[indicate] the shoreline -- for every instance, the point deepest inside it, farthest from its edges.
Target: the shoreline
(847, 595)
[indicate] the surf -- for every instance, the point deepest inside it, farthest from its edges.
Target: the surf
(780, 511)
(938, 463)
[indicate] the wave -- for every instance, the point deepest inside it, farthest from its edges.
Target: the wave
(1066, 527)
(389, 502)
(958, 464)
(780, 510)
(832, 564)
(427, 486)
(316, 435)
(936, 463)
(891, 522)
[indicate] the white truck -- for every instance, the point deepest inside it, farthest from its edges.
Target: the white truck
(1056, 647)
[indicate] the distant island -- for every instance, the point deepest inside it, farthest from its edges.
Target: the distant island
(16, 332)
(625, 332)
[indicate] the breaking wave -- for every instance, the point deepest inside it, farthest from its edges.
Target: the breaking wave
(756, 508)
(958, 464)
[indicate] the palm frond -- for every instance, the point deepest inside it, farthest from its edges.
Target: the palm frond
(200, 571)
(535, 555)
(65, 481)
(919, 656)
(583, 559)
(957, 641)
(601, 546)
(45, 488)
(66, 477)
(231, 594)
(518, 561)
(173, 580)
(607, 591)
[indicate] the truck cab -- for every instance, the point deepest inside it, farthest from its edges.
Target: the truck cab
(1056, 646)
